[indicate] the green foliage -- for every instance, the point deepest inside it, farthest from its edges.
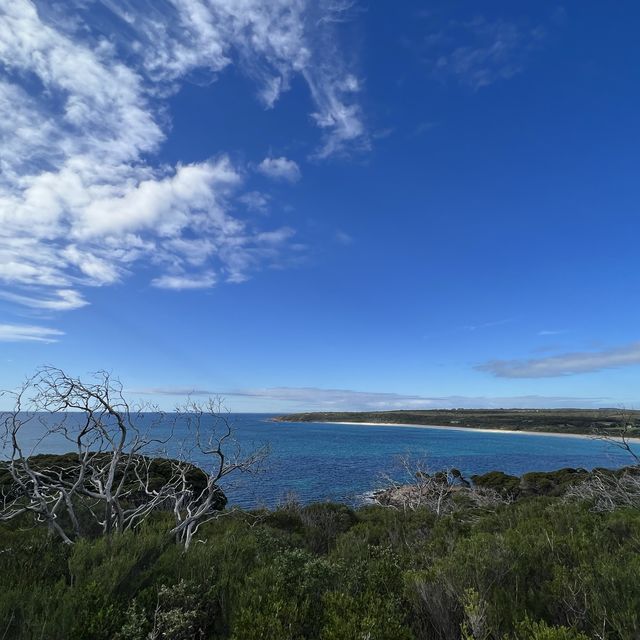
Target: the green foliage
(537, 569)
(528, 630)
(366, 615)
(324, 522)
(536, 483)
(498, 481)
(278, 601)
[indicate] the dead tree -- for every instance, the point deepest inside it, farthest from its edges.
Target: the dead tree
(209, 438)
(608, 490)
(28, 490)
(441, 492)
(623, 435)
(417, 489)
(111, 480)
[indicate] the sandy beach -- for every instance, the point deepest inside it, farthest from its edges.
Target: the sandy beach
(505, 431)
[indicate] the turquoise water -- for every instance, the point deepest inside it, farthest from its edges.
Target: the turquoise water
(345, 462)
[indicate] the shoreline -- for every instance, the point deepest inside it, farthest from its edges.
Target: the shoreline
(554, 434)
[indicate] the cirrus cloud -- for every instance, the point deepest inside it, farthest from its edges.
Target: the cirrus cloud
(480, 52)
(63, 300)
(28, 333)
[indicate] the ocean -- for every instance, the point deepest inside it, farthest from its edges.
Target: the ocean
(314, 461)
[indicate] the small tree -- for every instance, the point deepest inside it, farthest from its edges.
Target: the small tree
(125, 462)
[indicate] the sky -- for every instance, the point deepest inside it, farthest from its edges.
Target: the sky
(330, 204)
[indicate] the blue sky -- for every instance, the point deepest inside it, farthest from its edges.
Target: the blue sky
(323, 205)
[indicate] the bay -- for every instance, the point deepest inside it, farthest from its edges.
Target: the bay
(346, 462)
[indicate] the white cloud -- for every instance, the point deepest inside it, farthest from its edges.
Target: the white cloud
(65, 300)
(97, 270)
(339, 115)
(313, 398)
(255, 201)
(27, 333)
(82, 115)
(179, 282)
(190, 197)
(566, 364)
(280, 169)
(271, 42)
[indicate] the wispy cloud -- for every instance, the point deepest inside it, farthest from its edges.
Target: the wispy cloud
(338, 114)
(255, 201)
(423, 127)
(83, 115)
(28, 333)
(468, 328)
(486, 325)
(180, 282)
(280, 169)
(342, 237)
(312, 398)
(566, 364)
(64, 300)
(480, 52)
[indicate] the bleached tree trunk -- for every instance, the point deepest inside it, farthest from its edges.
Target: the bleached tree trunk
(114, 447)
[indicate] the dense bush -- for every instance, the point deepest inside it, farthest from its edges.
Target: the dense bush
(537, 569)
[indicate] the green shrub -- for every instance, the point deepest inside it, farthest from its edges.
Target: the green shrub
(324, 522)
(280, 599)
(543, 568)
(529, 630)
(367, 616)
(498, 481)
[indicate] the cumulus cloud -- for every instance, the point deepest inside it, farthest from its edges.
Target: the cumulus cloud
(83, 113)
(312, 398)
(28, 333)
(280, 169)
(566, 364)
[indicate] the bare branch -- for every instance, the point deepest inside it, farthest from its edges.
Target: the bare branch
(126, 463)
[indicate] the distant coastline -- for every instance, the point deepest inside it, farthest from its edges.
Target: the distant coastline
(558, 422)
(521, 432)
(476, 429)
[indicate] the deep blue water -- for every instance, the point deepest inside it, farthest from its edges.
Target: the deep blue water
(345, 462)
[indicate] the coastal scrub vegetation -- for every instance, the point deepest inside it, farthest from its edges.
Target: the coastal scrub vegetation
(545, 556)
(540, 568)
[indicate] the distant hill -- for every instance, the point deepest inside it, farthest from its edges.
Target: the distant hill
(570, 421)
